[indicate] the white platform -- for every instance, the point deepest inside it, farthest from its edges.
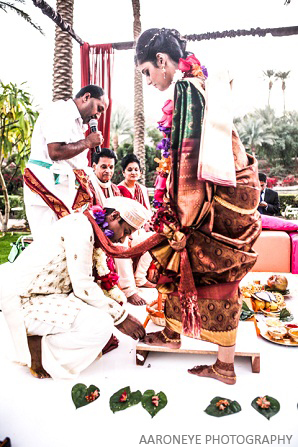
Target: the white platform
(246, 346)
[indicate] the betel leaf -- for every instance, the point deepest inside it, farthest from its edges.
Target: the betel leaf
(130, 400)
(149, 405)
(213, 409)
(285, 315)
(246, 312)
(267, 412)
(81, 395)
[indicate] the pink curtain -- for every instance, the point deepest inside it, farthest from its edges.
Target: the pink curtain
(96, 68)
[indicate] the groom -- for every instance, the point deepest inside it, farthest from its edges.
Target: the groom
(60, 319)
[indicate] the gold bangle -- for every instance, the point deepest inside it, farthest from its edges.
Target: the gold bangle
(175, 340)
(235, 208)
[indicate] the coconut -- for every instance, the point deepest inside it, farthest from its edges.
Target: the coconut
(278, 282)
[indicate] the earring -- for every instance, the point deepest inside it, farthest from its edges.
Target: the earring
(163, 69)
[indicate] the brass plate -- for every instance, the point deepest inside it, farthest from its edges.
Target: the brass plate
(284, 341)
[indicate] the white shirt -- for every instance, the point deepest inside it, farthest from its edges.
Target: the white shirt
(60, 122)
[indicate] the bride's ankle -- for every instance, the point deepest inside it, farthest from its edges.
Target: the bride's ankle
(170, 333)
(224, 368)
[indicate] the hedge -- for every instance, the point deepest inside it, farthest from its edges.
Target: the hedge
(15, 201)
(288, 199)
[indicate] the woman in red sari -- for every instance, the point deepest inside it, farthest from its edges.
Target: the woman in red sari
(130, 187)
(207, 198)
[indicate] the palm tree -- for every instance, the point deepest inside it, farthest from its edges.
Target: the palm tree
(5, 6)
(254, 133)
(269, 74)
(283, 75)
(139, 118)
(62, 71)
(267, 115)
(121, 124)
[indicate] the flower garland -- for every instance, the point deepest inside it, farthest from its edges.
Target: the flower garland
(103, 264)
(99, 215)
(187, 68)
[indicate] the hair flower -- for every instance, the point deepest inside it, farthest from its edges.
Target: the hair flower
(191, 67)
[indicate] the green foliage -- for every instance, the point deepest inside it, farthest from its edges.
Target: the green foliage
(213, 409)
(288, 200)
(15, 201)
(151, 153)
(267, 412)
(9, 6)
(17, 119)
(273, 138)
(129, 400)
(254, 132)
(148, 404)
(81, 395)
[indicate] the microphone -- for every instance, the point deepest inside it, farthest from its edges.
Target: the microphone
(93, 128)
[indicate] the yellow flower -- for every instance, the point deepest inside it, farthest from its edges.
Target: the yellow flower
(197, 71)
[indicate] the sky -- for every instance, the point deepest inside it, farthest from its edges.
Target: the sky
(27, 56)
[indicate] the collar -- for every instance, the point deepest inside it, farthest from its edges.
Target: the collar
(75, 113)
(104, 185)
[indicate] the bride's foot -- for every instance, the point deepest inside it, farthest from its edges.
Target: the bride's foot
(167, 338)
(224, 372)
(149, 285)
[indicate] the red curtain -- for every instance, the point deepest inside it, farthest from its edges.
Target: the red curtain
(96, 68)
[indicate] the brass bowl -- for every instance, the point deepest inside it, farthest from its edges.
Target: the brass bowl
(293, 333)
(277, 333)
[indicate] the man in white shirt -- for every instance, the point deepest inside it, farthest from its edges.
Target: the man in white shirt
(59, 318)
(58, 147)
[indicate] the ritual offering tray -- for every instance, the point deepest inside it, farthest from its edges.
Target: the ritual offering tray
(267, 298)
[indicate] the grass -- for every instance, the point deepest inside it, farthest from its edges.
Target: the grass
(5, 240)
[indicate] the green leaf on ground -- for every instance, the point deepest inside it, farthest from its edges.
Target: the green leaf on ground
(124, 398)
(81, 395)
(159, 398)
(214, 410)
(267, 412)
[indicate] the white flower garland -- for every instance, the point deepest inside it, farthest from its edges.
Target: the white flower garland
(100, 263)
(178, 76)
